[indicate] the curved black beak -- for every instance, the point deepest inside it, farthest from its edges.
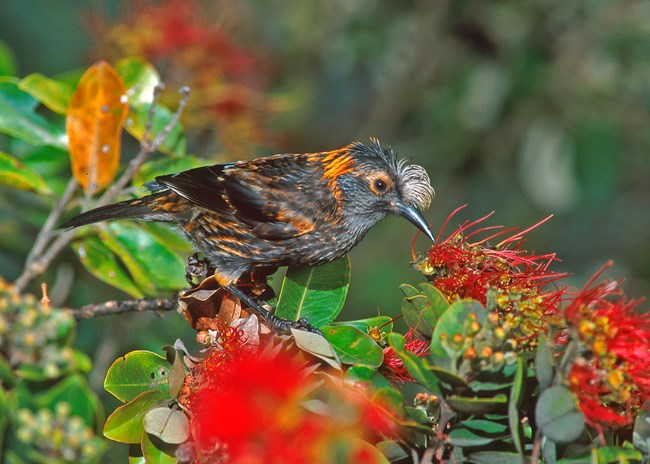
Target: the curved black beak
(412, 214)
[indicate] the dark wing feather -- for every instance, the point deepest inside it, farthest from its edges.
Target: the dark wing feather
(265, 196)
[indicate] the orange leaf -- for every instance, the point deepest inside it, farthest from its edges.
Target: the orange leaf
(94, 123)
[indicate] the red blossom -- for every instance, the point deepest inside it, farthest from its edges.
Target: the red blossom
(249, 407)
(393, 366)
(614, 379)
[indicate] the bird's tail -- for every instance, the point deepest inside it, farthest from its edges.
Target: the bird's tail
(137, 208)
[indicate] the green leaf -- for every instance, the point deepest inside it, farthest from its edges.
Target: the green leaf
(478, 406)
(543, 363)
(454, 321)
(316, 345)
(557, 416)
(366, 375)
(137, 372)
(7, 61)
(18, 118)
(485, 426)
(16, 175)
(413, 364)
(170, 425)
(447, 376)
(365, 325)
(75, 391)
(101, 262)
(150, 263)
(140, 77)
(495, 457)
(391, 450)
(417, 311)
(465, 437)
(176, 375)
(316, 293)
(516, 398)
(155, 451)
(54, 94)
(437, 300)
(125, 424)
(353, 346)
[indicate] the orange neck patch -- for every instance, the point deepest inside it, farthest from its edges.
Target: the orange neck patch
(335, 164)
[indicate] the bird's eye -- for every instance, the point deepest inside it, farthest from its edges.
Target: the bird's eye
(380, 185)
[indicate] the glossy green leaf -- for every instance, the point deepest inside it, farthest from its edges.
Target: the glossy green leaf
(487, 427)
(170, 425)
(140, 77)
(54, 94)
(100, 261)
(135, 454)
(137, 372)
(18, 117)
(353, 346)
(477, 406)
(557, 416)
(544, 363)
(7, 61)
(447, 376)
(316, 345)
(75, 391)
(155, 451)
(514, 406)
(16, 175)
(392, 450)
(125, 424)
(369, 323)
(415, 365)
(316, 293)
(454, 321)
(151, 264)
(495, 457)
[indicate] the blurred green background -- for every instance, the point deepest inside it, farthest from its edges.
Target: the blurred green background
(526, 108)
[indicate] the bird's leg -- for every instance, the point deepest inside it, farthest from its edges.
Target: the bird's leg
(275, 321)
(196, 267)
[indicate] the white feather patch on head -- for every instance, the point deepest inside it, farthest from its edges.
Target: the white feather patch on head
(415, 185)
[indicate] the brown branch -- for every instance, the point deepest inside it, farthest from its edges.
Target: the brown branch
(118, 307)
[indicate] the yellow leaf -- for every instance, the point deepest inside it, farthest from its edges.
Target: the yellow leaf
(94, 121)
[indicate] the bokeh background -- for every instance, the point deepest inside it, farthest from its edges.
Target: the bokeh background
(525, 108)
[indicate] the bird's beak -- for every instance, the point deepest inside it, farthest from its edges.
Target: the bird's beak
(412, 214)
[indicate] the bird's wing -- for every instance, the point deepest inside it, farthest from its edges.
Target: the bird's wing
(268, 199)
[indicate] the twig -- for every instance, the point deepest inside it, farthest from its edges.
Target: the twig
(118, 307)
(45, 250)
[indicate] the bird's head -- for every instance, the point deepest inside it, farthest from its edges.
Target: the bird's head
(374, 183)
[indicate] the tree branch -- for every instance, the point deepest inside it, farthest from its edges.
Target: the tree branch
(118, 307)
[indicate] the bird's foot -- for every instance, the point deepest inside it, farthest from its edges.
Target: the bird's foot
(196, 267)
(278, 323)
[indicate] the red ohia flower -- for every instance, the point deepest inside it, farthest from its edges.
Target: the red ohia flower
(612, 378)
(393, 367)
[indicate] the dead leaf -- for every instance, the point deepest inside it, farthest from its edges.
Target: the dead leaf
(94, 122)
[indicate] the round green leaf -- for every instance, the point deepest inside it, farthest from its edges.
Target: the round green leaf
(453, 321)
(170, 425)
(353, 346)
(557, 415)
(125, 424)
(316, 293)
(135, 373)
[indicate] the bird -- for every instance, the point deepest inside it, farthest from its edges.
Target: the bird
(301, 209)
